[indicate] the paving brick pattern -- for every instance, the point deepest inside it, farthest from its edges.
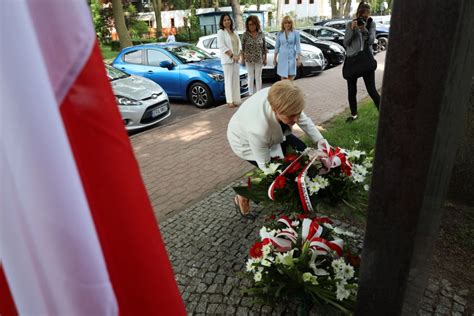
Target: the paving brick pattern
(186, 161)
(208, 246)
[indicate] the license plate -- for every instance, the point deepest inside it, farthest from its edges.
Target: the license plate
(243, 82)
(158, 111)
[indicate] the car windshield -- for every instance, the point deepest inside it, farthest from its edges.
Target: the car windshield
(188, 53)
(311, 37)
(114, 73)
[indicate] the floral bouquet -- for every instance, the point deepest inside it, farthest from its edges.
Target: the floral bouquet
(301, 181)
(303, 261)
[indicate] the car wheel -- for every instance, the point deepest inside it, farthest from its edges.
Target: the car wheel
(326, 63)
(200, 95)
(383, 43)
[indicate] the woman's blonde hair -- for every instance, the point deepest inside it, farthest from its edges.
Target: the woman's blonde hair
(287, 19)
(286, 98)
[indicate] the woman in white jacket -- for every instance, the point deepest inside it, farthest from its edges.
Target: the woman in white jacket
(262, 128)
(230, 48)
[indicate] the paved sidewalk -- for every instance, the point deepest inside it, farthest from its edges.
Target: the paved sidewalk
(208, 245)
(186, 161)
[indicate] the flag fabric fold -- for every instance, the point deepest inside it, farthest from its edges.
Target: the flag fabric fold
(77, 231)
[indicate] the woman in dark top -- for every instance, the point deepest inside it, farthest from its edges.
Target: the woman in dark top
(360, 35)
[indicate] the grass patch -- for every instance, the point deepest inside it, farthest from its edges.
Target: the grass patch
(107, 53)
(364, 129)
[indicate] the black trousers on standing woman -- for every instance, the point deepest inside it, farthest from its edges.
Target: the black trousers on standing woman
(369, 80)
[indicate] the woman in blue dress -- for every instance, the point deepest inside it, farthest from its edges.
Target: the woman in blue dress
(287, 50)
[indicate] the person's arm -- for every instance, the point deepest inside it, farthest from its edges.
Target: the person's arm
(264, 50)
(307, 125)
(371, 34)
(224, 49)
(350, 32)
(277, 48)
(298, 48)
(260, 150)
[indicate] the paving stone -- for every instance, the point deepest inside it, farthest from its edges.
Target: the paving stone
(216, 298)
(201, 288)
(247, 301)
(212, 308)
(242, 311)
(201, 307)
(458, 308)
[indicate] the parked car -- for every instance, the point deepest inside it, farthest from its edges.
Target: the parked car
(381, 30)
(326, 33)
(334, 53)
(312, 58)
(184, 71)
(141, 102)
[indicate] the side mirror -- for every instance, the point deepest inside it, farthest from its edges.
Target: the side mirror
(213, 54)
(166, 64)
(336, 37)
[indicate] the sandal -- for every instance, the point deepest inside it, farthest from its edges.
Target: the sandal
(238, 209)
(231, 105)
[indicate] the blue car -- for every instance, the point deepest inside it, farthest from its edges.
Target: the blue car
(184, 71)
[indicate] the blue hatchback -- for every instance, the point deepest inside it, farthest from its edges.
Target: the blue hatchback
(184, 71)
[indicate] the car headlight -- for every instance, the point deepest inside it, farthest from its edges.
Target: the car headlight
(217, 77)
(309, 55)
(121, 100)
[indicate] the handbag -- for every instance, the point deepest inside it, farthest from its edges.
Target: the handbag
(358, 65)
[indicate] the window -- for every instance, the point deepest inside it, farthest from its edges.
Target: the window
(299, 1)
(206, 43)
(287, 1)
(172, 22)
(134, 57)
(311, 1)
(214, 44)
(324, 33)
(304, 40)
(156, 57)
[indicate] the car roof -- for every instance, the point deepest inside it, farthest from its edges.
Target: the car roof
(157, 45)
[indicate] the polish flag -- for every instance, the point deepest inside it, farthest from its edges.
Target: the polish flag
(77, 231)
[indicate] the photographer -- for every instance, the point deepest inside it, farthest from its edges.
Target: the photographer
(358, 40)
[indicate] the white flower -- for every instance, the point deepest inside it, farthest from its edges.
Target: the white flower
(366, 187)
(341, 291)
(257, 277)
(347, 272)
(250, 265)
(286, 258)
(338, 265)
(355, 154)
(367, 163)
(317, 183)
(266, 263)
(328, 226)
(308, 277)
(271, 168)
(360, 169)
(356, 142)
(266, 250)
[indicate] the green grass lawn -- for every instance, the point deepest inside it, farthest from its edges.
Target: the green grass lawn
(107, 53)
(364, 129)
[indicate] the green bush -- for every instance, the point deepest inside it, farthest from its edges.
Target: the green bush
(185, 34)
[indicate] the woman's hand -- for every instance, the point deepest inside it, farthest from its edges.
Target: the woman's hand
(354, 24)
(235, 59)
(275, 62)
(298, 61)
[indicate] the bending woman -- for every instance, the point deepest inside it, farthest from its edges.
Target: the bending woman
(262, 128)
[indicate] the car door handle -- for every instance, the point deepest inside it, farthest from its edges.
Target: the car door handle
(150, 71)
(123, 68)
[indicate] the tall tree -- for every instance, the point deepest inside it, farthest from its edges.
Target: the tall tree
(334, 9)
(121, 27)
(157, 9)
(239, 23)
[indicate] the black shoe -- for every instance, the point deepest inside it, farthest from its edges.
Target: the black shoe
(351, 119)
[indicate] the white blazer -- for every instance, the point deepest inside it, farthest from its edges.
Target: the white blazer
(254, 132)
(224, 43)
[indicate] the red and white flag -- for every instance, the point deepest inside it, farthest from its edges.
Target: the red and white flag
(77, 231)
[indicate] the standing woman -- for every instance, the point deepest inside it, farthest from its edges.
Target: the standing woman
(254, 52)
(287, 50)
(230, 47)
(360, 36)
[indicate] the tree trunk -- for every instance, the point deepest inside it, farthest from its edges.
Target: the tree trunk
(237, 14)
(157, 10)
(119, 20)
(334, 10)
(347, 8)
(258, 5)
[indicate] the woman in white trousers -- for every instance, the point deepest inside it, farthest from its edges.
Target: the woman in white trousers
(229, 44)
(254, 52)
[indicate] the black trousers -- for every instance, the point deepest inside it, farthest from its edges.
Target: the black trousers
(291, 141)
(369, 80)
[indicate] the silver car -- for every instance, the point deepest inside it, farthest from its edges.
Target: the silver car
(141, 101)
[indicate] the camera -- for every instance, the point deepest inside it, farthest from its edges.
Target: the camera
(361, 21)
